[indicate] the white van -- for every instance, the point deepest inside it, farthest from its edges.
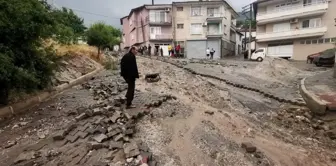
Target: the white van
(260, 54)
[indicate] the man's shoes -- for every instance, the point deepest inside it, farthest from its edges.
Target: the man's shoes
(130, 107)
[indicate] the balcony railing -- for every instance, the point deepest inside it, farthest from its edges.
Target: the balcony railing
(215, 15)
(214, 34)
(292, 34)
(159, 21)
(294, 7)
(294, 11)
(161, 36)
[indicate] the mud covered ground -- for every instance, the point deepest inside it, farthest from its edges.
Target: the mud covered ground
(203, 122)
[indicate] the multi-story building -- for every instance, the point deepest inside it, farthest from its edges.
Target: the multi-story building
(296, 28)
(198, 25)
(148, 25)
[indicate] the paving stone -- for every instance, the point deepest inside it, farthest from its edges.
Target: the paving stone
(70, 127)
(84, 127)
(130, 146)
(72, 138)
(39, 145)
(82, 134)
(89, 112)
(109, 155)
(61, 142)
(100, 129)
(73, 132)
(111, 128)
(133, 153)
(59, 135)
(95, 145)
(128, 116)
(119, 157)
(129, 132)
(115, 117)
(97, 111)
(249, 147)
(118, 137)
(116, 145)
(113, 133)
(99, 138)
(99, 121)
(81, 117)
(24, 156)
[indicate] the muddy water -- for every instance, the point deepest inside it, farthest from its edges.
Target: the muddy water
(184, 133)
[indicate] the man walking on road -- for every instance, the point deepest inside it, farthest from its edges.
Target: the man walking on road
(129, 71)
(212, 52)
(207, 53)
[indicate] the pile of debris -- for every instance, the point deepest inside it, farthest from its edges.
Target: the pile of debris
(305, 123)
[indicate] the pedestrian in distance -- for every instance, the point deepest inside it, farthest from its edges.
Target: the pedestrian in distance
(149, 50)
(212, 52)
(129, 71)
(207, 53)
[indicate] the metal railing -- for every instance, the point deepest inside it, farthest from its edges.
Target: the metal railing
(166, 19)
(215, 14)
(293, 7)
(161, 36)
(292, 30)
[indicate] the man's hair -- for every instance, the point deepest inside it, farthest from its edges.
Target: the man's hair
(132, 48)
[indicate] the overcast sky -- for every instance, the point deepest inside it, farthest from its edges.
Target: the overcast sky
(110, 11)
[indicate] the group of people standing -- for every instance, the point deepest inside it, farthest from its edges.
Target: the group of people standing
(210, 53)
(145, 49)
(174, 51)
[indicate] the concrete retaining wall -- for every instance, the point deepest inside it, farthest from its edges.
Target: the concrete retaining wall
(313, 102)
(43, 96)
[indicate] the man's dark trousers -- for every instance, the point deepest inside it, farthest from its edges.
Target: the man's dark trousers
(130, 91)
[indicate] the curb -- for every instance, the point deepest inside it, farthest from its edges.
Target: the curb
(228, 82)
(43, 96)
(315, 104)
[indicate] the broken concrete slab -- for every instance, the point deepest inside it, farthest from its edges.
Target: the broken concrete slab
(116, 145)
(59, 135)
(95, 145)
(118, 137)
(81, 117)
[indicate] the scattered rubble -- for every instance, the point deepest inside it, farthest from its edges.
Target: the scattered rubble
(152, 77)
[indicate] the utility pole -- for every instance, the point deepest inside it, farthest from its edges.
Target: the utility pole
(250, 35)
(248, 9)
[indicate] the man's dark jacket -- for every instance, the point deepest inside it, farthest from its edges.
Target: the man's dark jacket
(129, 68)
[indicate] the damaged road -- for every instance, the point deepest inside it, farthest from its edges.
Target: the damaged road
(180, 119)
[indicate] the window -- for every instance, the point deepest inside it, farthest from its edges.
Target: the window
(213, 12)
(195, 11)
(260, 50)
(308, 41)
(302, 42)
(320, 41)
(314, 41)
(311, 23)
(179, 9)
(327, 40)
(158, 16)
(196, 29)
(180, 26)
(282, 27)
(333, 40)
(155, 30)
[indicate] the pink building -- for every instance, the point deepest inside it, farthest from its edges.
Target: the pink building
(148, 24)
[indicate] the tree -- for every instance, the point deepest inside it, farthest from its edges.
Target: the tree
(245, 24)
(69, 26)
(25, 63)
(101, 35)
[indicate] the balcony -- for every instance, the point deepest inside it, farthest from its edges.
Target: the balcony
(215, 17)
(161, 37)
(166, 20)
(291, 12)
(292, 34)
(214, 34)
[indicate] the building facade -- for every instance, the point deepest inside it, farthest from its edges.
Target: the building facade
(296, 28)
(198, 25)
(148, 25)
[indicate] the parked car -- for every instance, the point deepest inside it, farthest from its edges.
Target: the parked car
(324, 59)
(311, 57)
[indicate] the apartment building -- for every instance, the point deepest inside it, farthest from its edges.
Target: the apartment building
(148, 25)
(296, 28)
(198, 25)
